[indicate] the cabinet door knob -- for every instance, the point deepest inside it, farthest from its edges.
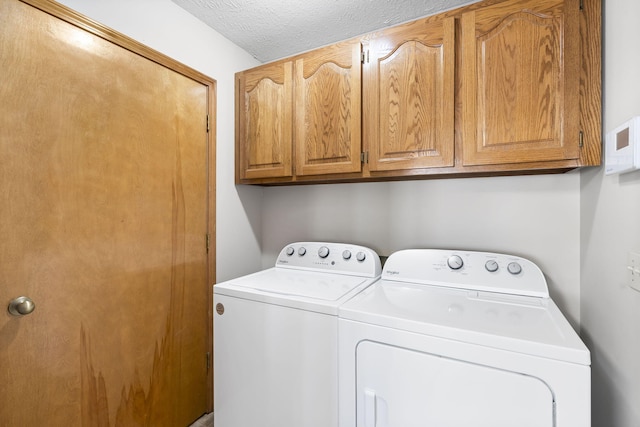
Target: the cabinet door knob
(21, 306)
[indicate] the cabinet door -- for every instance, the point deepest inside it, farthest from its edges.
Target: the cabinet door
(327, 117)
(264, 120)
(408, 97)
(520, 82)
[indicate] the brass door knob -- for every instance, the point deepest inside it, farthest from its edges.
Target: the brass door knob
(21, 306)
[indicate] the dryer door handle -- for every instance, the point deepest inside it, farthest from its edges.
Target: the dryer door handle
(375, 410)
(369, 408)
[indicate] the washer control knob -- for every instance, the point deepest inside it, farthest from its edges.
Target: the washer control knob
(361, 256)
(290, 251)
(455, 262)
(323, 252)
(346, 254)
(514, 268)
(491, 266)
(302, 251)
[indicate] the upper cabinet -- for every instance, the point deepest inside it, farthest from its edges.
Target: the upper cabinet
(408, 96)
(263, 122)
(327, 110)
(493, 88)
(520, 82)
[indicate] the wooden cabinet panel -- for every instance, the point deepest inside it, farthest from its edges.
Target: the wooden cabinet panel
(264, 96)
(520, 81)
(108, 191)
(408, 97)
(327, 115)
(495, 87)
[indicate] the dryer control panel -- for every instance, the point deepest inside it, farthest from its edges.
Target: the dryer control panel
(478, 271)
(328, 257)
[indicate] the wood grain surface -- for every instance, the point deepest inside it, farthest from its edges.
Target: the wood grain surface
(520, 82)
(327, 133)
(107, 180)
(408, 97)
(264, 121)
(527, 89)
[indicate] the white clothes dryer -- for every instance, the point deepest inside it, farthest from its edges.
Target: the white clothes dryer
(275, 336)
(460, 339)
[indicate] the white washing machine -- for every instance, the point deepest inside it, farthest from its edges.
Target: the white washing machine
(460, 339)
(275, 336)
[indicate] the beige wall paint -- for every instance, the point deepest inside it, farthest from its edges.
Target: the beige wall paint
(610, 212)
(167, 28)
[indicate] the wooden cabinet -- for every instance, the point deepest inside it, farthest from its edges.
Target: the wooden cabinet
(493, 88)
(327, 110)
(520, 82)
(408, 96)
(263, 122)
(322, 131)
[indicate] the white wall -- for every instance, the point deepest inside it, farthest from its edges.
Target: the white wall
(169, 29)
(536, 217)
(610, 230)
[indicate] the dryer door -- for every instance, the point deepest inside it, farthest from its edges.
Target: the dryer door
(398, 387)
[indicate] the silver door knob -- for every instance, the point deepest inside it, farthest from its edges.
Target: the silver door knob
(21, 306)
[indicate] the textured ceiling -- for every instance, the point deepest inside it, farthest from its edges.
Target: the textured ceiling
(273, 29)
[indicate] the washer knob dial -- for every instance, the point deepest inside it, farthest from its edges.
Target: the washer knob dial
(455, 262)
(290, 251)
(346, 254)
(302, 251)
(491, 266)
(361, 256)
(514, 268)
(323, 252)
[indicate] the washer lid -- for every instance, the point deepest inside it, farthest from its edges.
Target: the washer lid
(529, 325)
(321, 292)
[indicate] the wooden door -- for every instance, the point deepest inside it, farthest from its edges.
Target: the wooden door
(408, 96)
(106, 199)
(327, 133)
(264, 121)
(520, 82)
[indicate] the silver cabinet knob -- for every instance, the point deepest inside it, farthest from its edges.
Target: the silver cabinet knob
(21, 306)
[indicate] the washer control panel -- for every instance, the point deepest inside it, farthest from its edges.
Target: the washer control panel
(330, 257)
(479, 271)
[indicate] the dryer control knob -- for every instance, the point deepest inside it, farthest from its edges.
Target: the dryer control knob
(346, 254)
(290, 251)
(323, 252)
(491, 266)
(514, 268)
(455, 262)
(361, 256)
(302, 251)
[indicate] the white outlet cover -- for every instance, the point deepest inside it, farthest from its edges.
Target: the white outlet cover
(634, 271)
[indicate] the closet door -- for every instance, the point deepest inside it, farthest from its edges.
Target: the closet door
(106, 169)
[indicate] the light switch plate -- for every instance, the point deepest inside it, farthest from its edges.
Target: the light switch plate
(634, 271)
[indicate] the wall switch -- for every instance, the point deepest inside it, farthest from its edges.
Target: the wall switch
(634, 271)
